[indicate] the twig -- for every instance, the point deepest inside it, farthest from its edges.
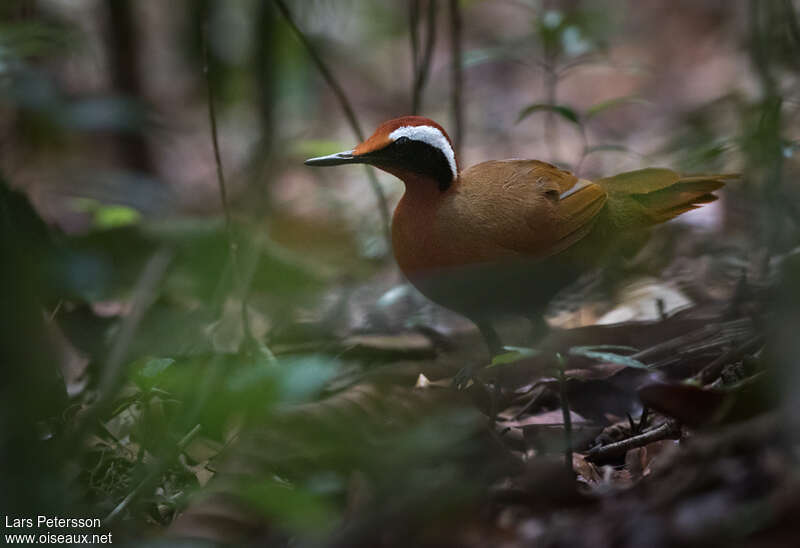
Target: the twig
(680, 341)
(669, 430)
(424, 65)
(792, 23)
(327, 75)
(457, 76)
(233, 249)
(565, 412)
(551, 92)
(212, 118)
(143, 296)
(413, 33)
(184, 441)
(705, 339)
(154, 473)
(769, 156)
(711, 371)
(52, 316)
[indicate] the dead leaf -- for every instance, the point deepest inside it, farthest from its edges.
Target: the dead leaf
(547, 418)
(585, 469)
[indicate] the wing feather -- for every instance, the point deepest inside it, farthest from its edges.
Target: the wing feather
(577, 212)
(538, 209)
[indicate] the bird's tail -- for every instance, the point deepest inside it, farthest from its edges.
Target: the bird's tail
(651, 196)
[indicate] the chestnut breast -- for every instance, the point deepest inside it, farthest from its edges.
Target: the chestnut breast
(496, 211)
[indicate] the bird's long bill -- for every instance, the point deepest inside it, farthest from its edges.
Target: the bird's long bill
(346, 157)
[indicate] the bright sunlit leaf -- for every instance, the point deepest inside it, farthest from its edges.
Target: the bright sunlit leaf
(604, 353)
(514, 354)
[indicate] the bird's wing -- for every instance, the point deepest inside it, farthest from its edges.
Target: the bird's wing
(540, 210)
(653, 195)
(578, 208)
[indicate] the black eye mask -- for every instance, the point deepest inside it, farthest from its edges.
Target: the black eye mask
(415, 156)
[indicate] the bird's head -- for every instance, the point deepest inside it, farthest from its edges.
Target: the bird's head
(410, 148)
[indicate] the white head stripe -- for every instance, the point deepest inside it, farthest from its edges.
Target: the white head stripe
(431, 136)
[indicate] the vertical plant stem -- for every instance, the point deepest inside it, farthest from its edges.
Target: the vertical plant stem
(769, 157)
(265, 56)
(233, 249)
(551, 88)
(457, 76)
(424, 65)
(344, 103)
(413, 34)
(565, 412)
(112, 377)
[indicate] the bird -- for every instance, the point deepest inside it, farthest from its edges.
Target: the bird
(502, 237)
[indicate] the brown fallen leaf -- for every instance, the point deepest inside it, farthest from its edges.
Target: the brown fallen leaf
(547, 418)
(585, 470)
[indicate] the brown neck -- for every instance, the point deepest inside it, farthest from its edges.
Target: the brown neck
(420, 187)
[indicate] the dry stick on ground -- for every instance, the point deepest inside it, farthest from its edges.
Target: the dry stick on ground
(424, 65)
(233, 250)
(327, 75)
(155, 472)
(711, 371)
(693, 337)
(669, 430)
(456, 75)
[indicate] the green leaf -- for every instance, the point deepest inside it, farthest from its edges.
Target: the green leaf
(603, 106)
(295, 378)
(514, 354)
(106, 216)
(302, 377)
(114, 216)
(155, 367)
(250, 379)
(148, 371)
(564, 111)
(603, 353)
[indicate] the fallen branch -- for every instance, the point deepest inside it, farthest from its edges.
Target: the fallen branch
(713, 370)
(155, 472)
(668, 430)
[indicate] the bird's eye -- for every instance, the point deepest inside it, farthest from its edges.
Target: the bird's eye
(402, 141)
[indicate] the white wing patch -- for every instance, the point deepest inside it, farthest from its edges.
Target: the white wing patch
(580, 185)
(431, 136)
